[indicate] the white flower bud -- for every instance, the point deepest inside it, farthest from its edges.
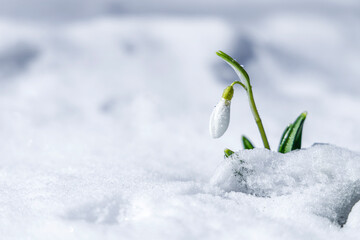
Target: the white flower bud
(220, 118)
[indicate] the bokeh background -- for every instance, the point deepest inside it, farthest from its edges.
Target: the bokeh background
(105, 104)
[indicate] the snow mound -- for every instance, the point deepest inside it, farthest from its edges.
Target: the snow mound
(323, 179)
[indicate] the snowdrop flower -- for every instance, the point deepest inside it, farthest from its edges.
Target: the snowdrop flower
(220, 117)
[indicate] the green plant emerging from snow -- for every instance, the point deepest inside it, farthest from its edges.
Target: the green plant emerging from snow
(220, 117)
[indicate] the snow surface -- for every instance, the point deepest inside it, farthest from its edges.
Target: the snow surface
(323, 180)
(104, 128)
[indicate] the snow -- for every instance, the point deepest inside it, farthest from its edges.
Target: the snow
(104, 127)
(323, 180)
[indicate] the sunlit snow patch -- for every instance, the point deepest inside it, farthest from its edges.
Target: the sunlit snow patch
(326, 177)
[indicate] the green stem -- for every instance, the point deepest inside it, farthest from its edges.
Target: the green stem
(257, 117)
(240, 71)
(254, 111)
(240, 83)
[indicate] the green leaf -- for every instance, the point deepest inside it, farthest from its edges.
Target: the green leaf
(291, 138)
(284, 136)
(228, 152)
(246, 143)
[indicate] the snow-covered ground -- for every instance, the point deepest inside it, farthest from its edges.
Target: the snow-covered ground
(104, 127)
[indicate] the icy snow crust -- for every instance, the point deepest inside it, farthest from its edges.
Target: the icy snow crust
(323, 179)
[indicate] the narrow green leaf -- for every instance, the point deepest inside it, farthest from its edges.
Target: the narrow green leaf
(284, 136)
(298, 136)
(228, 152)
(292, 135)
(246, 143)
